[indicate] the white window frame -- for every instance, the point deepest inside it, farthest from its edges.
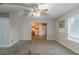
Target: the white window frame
(71, 36)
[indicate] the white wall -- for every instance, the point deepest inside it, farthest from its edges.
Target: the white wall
(27, 26)
(4, 31)
(42, 30)
(15, 27)
(10, 28)
(21, 27)
(63, 37)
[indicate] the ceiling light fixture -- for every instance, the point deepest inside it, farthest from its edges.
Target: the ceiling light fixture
(40, 9)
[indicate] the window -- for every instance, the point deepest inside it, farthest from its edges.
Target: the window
(73, 27)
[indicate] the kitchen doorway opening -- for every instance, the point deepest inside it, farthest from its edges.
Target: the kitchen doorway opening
(39, 31)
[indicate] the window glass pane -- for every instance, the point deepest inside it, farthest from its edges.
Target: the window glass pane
(73, 26)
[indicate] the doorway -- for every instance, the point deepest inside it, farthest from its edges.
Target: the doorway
(39, 31)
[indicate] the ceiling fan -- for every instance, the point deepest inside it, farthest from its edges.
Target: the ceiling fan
(40, 10)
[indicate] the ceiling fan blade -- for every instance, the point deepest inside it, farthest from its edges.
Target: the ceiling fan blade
(45, 10)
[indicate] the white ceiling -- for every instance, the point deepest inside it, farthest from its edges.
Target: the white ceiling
(11, 7)
(55, 10)
(58, 9)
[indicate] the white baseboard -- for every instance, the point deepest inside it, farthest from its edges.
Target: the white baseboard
(12, 43)
(4, 46)
(68, 47)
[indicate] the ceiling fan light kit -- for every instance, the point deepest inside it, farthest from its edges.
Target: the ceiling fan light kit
(38, 11)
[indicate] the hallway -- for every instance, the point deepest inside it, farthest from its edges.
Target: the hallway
(28, 47)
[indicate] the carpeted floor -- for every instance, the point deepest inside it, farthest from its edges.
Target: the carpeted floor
(26, 47)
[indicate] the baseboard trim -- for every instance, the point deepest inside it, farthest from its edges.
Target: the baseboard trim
(68, 47)
(13, 43)
(5, 46)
